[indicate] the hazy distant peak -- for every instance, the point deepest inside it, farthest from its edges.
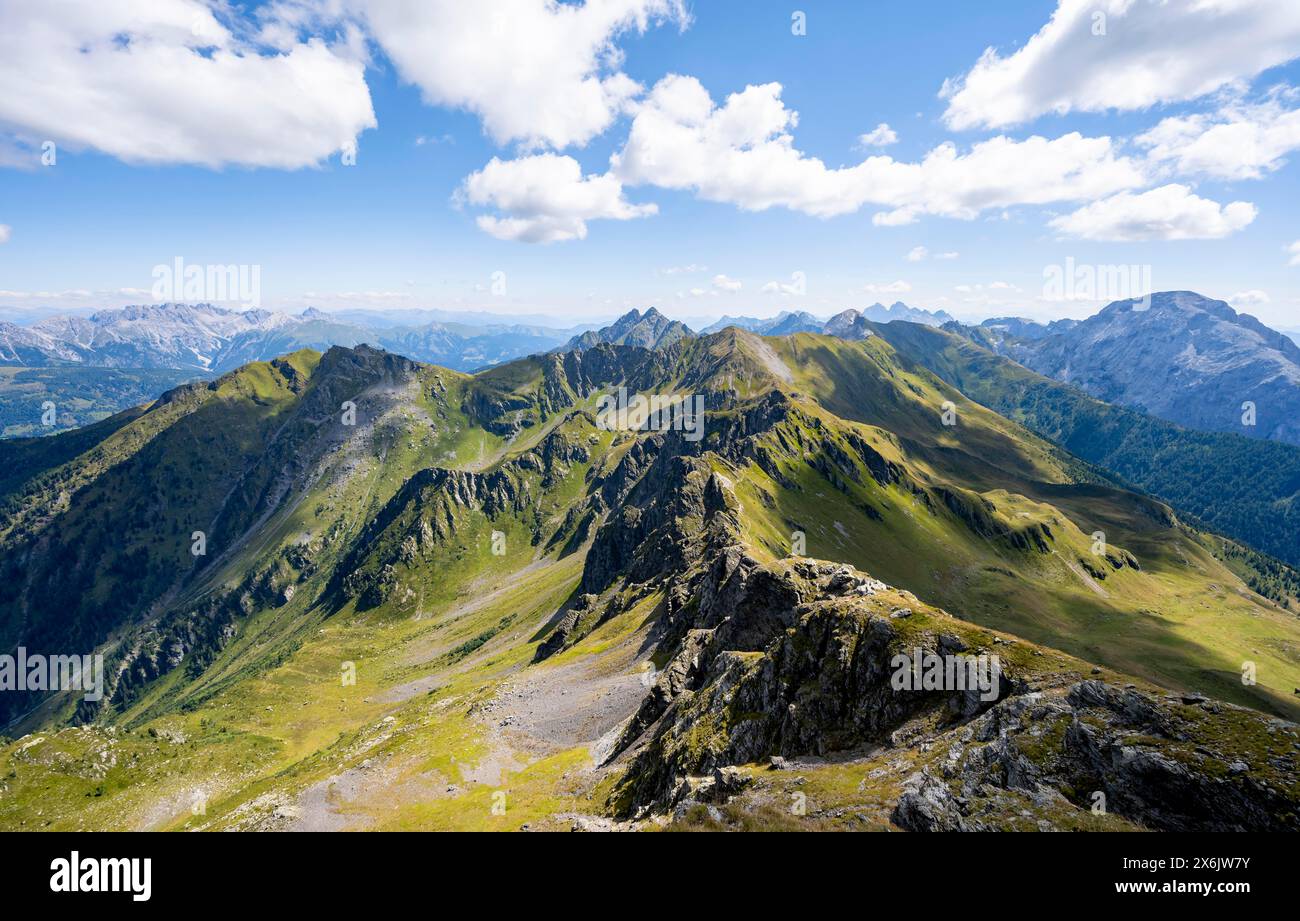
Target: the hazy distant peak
(649, 329)
(1178, 355)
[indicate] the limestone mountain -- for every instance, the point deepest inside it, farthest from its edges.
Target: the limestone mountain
(209, 339)
(879, 313)
(420, 589)
(848, 324)
(1179, 356)
(649, 329)
(785, 323)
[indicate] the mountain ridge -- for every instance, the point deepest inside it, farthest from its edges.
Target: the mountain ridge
(372, 548)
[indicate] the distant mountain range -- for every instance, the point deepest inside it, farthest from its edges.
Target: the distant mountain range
(210, 339)
(1179, 356)
(848, 324)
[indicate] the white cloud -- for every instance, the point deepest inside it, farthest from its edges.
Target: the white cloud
(1151, 52)
(1294, 250)
(895, 287)
(1240, 141)
(5, 233)
(1245, 299)
(1170, 212)
(796, 287)
(535, 71)
(920, 254)
(881, 136)
(742, 153)
(723, 283)
(164, 81)
(545, 199)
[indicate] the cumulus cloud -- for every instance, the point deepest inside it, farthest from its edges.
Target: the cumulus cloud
(1099, 55)
(86, 75)
(1171, 212)
(787, 288)
(545, 198)
(1294, 250)
(742, 152)
(535, 71)
(881, 136)
(920, 254)
(723, 283)
(5, 233)
(894, 287)
(1239, 141)
(1245, 299)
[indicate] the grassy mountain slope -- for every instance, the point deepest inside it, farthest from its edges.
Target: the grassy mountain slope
(1238, 486)
(527, 601)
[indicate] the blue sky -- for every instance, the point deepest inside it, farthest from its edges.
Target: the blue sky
(209, 149)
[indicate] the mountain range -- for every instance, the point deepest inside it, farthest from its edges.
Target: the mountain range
(352, 590)
(1177, 355)
(208, 339)
(847, 324)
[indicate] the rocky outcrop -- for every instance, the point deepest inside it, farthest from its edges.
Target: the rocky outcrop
(799, 659)
(789, 658)
(1153, 760)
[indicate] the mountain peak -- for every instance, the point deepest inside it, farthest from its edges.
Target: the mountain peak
(1178, 355)
(649, 329)
(1171, 301)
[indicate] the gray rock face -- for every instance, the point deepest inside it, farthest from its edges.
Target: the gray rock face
(649, 330)
(1111, 743)
(1186, 358)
